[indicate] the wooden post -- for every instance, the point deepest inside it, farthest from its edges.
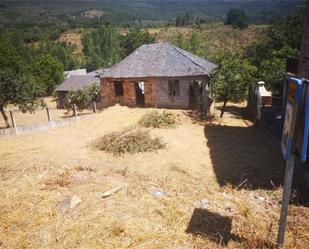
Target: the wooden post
(285, 199)
(48, 114)
(94, 107)
(13, 121)
(74, 111)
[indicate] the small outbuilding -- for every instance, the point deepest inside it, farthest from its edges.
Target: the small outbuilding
(158, 75)
(73, 83)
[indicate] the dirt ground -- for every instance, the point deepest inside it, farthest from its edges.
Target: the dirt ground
(218, 183)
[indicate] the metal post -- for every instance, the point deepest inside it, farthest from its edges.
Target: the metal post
(94, 107)
(48, 114)
(74, 111)
(285, 199)
(13, 121)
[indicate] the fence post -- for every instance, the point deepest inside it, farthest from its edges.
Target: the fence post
(13, 121)
(48, 114)
(94, 107)
(74, 111)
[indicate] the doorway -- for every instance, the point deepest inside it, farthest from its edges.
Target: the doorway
(140, 93)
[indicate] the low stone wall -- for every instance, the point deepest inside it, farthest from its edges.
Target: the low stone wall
(38, 127)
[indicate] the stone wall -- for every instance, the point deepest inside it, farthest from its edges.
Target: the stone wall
(303, 69)
(109, 97)
(156, 92)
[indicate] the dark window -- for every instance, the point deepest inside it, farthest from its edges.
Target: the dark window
(173, 87)
(118, 85)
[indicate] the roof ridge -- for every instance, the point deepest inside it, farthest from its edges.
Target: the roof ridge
(176, 48)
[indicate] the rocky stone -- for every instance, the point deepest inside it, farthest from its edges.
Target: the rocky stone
(69, 203)
(157, 193)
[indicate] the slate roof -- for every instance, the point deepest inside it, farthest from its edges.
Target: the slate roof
(160, 60)
(76, 82)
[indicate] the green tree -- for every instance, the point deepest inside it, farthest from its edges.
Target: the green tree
(83, 98)
(16, 91)
(181, 41)
(232, 78)
(102, 47)
(134, 39)
(237, 18)
(47, 72)
(194, 45)
(269, 54)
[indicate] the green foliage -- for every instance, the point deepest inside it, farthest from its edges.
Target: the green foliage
(62, 52)
(47, 72)
(157, 119)
(17, 91)
(287, 31)
(182, 20)
(102, 47)
(194, 45)
(232, 78)
(181, 42)
(269, 55)
(83, 98)
(237, 18)
(130, 140)
(134, 39)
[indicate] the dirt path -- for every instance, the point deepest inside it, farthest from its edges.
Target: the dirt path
(219, 179)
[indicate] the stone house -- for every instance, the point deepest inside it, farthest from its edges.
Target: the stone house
(73, 83)
(158, 75)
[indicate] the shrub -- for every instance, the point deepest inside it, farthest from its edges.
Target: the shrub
(129, 140)
(157, 119)
(83, 98)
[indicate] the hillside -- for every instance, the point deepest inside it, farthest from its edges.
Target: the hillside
(216, 38)
(125, 12)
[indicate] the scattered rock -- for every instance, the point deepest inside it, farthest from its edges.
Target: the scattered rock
(69, 203)
(112, 191)
(157, 193)
(79, 176)
(230, 208)
(201, 203)
(259, 199)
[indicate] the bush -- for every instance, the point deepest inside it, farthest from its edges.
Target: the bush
(83, 98)
(156, 119)
(129, 140)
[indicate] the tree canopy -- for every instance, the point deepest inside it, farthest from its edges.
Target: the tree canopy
(237, 18)
(232, 78)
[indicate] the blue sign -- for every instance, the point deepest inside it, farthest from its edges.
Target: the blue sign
(294, 97)
(302, 125)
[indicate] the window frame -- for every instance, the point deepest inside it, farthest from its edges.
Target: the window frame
(118, 88)
(174, 88)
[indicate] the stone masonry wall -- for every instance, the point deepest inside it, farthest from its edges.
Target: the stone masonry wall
(109, 97)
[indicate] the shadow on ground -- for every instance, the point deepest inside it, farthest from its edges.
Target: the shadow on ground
(211, 226)
(242, 157)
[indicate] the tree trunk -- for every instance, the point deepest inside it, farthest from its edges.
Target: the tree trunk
(223, 107)
(5, 117)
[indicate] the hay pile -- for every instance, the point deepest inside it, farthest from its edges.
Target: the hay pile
(129, 140)
(158, 119)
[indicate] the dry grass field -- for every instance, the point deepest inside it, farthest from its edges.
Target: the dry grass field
(215, 185)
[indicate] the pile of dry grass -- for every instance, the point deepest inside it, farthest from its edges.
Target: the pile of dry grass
(158, 119)
(129, 140)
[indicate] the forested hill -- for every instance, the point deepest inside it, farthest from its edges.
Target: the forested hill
(122, 12)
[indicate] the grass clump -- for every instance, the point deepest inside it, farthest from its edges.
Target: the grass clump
(158, 119)
(129, 140)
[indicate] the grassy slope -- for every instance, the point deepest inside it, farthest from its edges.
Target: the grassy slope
(216, 37)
